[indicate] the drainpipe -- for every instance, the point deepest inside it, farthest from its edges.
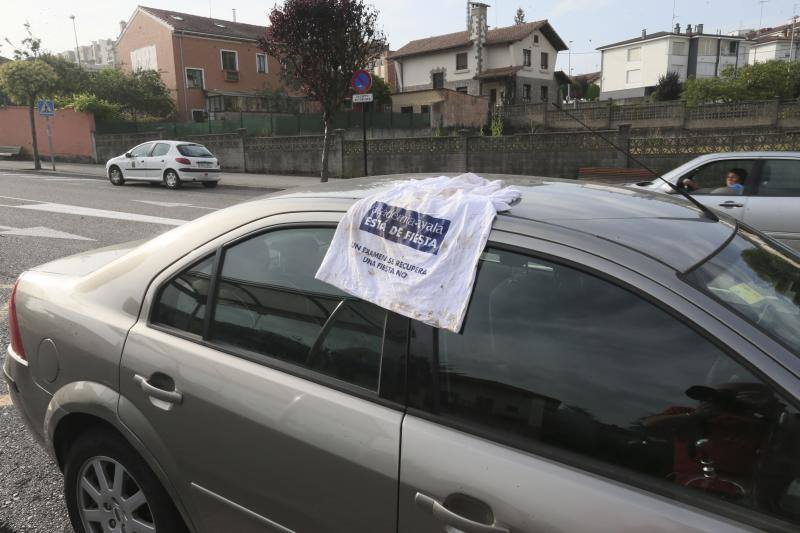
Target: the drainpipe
(183, 76)
(719, 51)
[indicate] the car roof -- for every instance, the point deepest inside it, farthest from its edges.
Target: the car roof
(664, 227)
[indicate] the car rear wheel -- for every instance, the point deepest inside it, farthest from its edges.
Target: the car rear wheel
(108, 487)
(210, 184)
(171, 180)
(115, 176)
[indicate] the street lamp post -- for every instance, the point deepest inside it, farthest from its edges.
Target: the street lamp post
(77, 48)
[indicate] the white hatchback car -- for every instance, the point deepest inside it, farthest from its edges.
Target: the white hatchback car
(173, 162)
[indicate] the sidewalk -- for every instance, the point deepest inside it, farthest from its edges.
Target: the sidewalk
(257, 181)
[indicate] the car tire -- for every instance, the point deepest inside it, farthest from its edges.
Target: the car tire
(171, 179)
(115, 176)
(209, 184)
(101, 451)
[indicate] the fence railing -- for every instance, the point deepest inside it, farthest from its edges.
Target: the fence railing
(269, 124)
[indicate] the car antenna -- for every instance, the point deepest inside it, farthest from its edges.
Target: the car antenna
(705, 210)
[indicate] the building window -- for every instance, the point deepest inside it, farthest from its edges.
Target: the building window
(199, 115)
(545, 61)
(544, 93)
(535, 39)
(462, 89)
(230, 59)
(633, 76)
(707, 47)
(261, 63)
(194, 78)
(635, 54)
(732, 46)
(438, 80)
(406, 109)
(526, 92)
(461, 61)
(679, 48)
(526, 57)
(425, 109)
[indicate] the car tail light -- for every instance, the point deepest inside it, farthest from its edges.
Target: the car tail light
(13, 324)
(183, 161)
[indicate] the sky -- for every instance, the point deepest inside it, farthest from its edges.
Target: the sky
(587, 23)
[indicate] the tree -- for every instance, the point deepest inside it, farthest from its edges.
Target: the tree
(320, 44)
(760, 81)
(519, 17)
(593, 92)
(24, 82)
(142, 93)
(668, 87)
(382, 93)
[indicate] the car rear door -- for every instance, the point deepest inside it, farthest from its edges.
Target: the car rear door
(266, 411)
(775, 206)
(570, 402)
(156, 162)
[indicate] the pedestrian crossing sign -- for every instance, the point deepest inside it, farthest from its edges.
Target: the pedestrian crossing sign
(46, 107)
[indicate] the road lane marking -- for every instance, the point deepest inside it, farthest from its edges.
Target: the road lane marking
(41, 231)
(99, 213)
(174, 204)
(22, 200)
(5, 400)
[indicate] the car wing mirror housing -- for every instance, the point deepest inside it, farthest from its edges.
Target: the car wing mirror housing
(128, 154)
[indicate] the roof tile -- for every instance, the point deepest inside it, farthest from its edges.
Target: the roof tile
(186, 22)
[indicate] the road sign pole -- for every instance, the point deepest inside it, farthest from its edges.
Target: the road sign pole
(364, 131)
(50, 142)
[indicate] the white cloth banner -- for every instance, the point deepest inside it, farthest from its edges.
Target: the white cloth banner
(414, 248)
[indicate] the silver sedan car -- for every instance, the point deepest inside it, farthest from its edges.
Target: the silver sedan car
(627, 364)
(769, 196)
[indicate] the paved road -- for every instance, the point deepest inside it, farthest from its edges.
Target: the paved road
(44, 218)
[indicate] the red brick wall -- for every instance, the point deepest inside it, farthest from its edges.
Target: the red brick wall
(72, 132)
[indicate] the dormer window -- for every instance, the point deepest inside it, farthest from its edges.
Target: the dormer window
(176, 17)
(218, 25)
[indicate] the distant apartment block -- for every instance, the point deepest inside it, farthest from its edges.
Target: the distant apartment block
(781, 42)
(99, 54)
(211, 66)
(630, 69)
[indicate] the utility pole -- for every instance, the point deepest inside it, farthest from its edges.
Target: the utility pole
(77, 48)
(569, 71)
(792, 54)
(761, 16)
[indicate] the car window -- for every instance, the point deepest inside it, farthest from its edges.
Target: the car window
(552, 358)
(160, 149)
(194, 150)
(269, 303)
(710, 178)
(181, 303)
(759, 281)
(780, 177)
(142, 150)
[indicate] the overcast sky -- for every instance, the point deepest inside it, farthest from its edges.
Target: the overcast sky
(587, 23)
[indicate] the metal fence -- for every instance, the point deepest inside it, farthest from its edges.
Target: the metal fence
(269, 124)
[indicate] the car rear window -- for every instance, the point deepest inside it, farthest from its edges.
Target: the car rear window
(194, 150)
(760, 281)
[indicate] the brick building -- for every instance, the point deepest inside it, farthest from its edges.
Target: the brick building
(210, 66)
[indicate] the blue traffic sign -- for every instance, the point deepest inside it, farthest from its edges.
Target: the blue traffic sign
(362, 81)
(46, 107)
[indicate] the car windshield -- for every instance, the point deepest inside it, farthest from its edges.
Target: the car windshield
(194, 150)
(759, 280)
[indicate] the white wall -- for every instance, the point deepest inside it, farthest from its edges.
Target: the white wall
(536, 57)
(654, 62)
(417, 69)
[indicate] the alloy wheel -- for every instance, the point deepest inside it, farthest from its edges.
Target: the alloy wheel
(116, 176)
(111, 500)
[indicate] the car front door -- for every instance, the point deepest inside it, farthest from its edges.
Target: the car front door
(711, 187)
(136, 164)
(569, 402)
(156, 161)
(775, 206)
(265, 412)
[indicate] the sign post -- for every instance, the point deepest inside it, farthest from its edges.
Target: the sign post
(47, 110)
(362, 83)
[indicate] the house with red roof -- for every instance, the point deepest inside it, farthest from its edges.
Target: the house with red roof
(511, 65)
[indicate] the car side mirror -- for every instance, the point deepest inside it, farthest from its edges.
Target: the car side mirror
(128, 154)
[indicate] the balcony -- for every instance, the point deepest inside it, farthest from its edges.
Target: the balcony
(231, 75)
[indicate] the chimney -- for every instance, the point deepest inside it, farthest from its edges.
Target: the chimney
(122, 25)
(688, 29)
(678, 28)
(477, 29)
(644, 33)
(699, 28)
(234, 14)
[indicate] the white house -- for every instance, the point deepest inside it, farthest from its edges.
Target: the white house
(631, 68)
(771, 47)
(512, 64)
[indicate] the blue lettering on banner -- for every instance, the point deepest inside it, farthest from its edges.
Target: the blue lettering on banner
(416, 230)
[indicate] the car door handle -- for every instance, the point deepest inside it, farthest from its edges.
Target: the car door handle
(170, 396)
(446, 516)
(730, 204)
